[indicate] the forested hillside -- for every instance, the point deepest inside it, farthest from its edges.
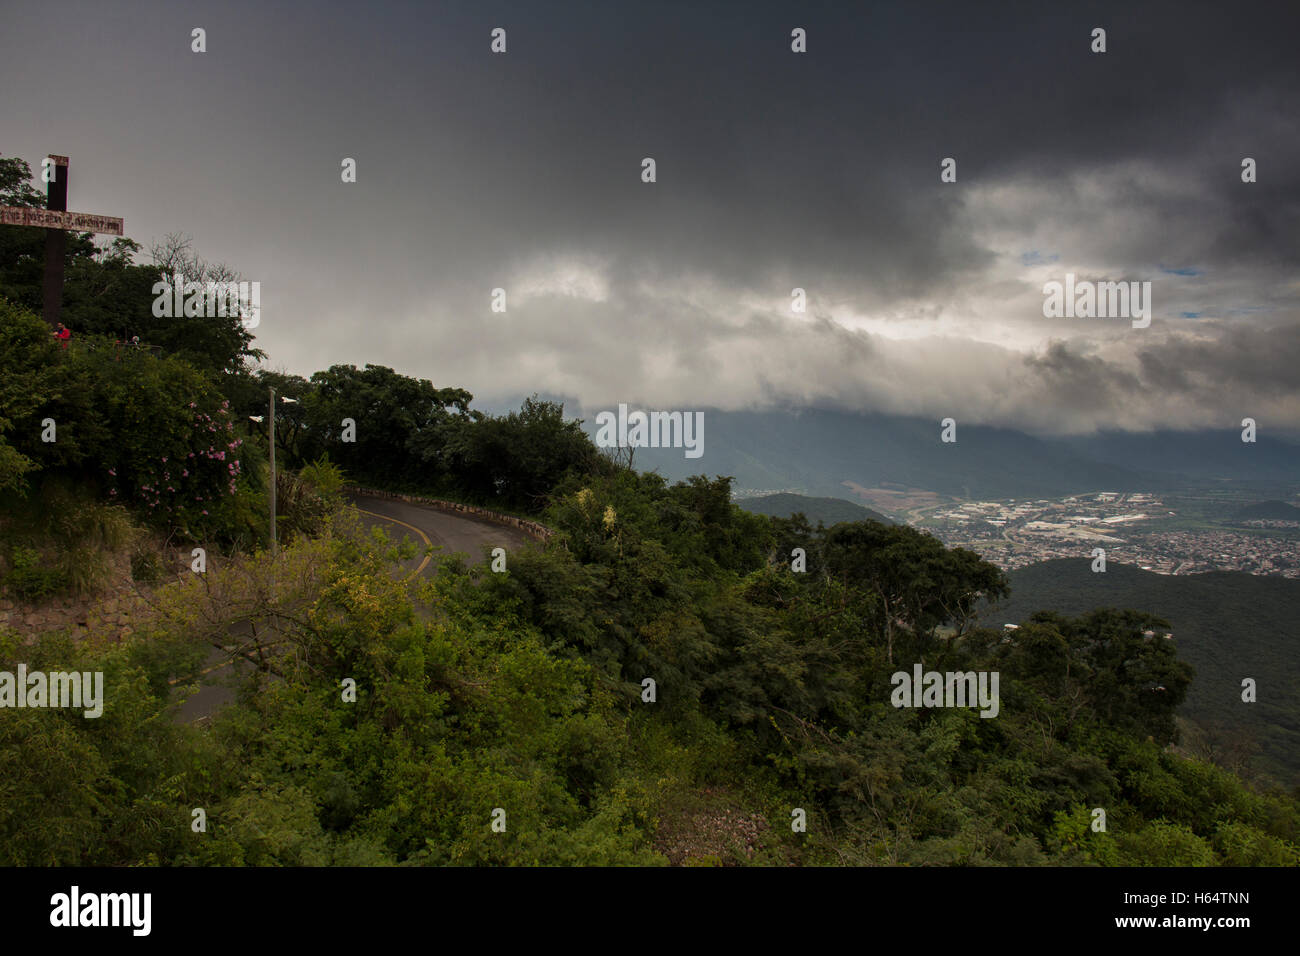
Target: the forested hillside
(1228, 625)
(670, 679)
(524, 692)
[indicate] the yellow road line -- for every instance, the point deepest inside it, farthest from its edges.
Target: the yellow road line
(203, 673)
(423, 564)
(216, 667)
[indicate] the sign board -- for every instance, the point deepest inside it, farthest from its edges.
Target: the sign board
(56, 219)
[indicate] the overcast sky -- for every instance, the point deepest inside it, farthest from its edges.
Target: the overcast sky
(774, 170)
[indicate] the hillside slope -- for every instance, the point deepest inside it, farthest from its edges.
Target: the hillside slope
(828, 511)
(1228, 625)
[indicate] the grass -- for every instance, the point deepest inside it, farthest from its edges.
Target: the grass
(59, 540)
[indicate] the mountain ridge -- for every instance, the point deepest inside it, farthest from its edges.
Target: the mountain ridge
(828, 511)
(815, 452)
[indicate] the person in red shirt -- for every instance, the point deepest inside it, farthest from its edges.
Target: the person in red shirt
(62, 333)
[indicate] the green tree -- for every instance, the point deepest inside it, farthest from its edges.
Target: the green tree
(397, 420)
(920, 583)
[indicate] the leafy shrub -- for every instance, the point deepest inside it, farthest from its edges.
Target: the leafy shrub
(146, 567)
(74, 519)
(305, 501)
(325, 477)
(27, 579)
(1161, 843)
(12, 467)
(153, 432)
(1243, 845)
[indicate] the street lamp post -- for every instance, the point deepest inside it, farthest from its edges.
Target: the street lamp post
(270, 411)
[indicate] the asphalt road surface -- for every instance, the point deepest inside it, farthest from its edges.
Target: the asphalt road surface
(421, 524)
(450, 532)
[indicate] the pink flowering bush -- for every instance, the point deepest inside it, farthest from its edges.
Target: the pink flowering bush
(156, 460)
(152, 432)
(189, 497)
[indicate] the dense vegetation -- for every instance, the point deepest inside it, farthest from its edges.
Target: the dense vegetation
(523, 691)
(386, 718)
(1229, 625)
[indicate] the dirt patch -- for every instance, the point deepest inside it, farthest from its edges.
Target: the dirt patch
(896, 499)
(709, 829)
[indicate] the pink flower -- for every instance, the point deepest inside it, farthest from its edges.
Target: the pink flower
(205, 510)
(185, 473)
(112, 472)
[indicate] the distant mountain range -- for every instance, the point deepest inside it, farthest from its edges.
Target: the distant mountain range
(1193, 454)
(828, 511)
(1227, 624)
(818, 451)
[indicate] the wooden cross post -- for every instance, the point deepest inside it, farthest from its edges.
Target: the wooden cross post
(56, 218)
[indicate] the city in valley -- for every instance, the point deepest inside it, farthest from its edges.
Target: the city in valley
(1164, 533)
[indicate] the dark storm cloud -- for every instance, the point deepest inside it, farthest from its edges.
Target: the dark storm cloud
(1241, 358)
(775, 170)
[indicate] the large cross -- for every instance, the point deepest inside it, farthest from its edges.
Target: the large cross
(56, 218)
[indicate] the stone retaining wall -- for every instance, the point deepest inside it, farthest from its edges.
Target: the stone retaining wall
(116, 610)
(535, 530)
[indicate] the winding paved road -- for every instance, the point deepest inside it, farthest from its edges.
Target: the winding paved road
(422, 524)
(426, 525)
